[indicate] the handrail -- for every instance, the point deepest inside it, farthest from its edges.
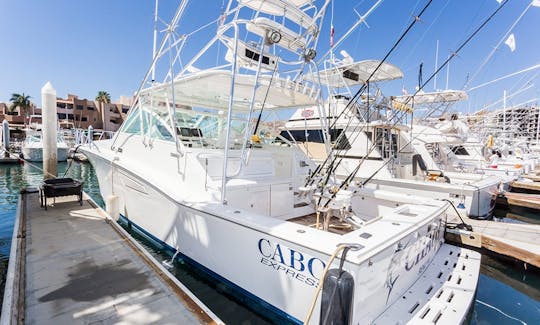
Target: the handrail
(229, 114)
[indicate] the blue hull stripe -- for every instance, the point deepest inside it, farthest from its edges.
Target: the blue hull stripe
(237, 289)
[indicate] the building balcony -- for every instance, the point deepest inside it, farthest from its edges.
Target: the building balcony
(13, 119)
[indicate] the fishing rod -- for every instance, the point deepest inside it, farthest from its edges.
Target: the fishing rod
(362, 89)
(346, 183)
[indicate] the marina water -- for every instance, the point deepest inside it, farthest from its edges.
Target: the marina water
(506, 294)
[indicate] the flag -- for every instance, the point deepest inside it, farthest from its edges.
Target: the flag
(511, 42)
(535, 3)
(332, 36)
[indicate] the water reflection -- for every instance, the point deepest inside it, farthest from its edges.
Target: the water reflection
(14, 178)
(517, 215)
(507, 294)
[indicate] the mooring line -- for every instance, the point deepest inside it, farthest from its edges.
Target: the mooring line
(500, 311)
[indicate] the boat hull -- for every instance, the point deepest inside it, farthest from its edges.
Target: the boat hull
(235, 245)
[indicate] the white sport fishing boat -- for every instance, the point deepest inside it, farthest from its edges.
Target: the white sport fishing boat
(372, 133)
(457, 152)
(32, 148)
(389, 160)
(187, 168)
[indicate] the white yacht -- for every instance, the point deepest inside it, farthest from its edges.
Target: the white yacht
(32, 148)
(463, 154)
(188, 168)
(391, 159)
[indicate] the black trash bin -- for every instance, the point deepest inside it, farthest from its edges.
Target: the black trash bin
(56, 187)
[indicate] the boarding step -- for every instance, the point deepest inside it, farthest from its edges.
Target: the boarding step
(448, 283)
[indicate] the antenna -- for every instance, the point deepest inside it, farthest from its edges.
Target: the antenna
(155, 40)
(436, 64)
(447, 74)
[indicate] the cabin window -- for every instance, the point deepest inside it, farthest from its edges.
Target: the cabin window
(369, 135)
(157, 126)
(460, 151)
(153, 124)
(133, 123)
(351, 75)
(317, 136)
(255, 56)
(343, 143)
(303, 135)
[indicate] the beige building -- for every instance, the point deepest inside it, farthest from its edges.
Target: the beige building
(74, 112)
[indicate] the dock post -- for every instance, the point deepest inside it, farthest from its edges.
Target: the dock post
(50, 149)
(5, 138)
(90, 135)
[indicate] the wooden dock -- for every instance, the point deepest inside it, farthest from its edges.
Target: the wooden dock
(519, 241)
(531, 201)
(71, 264)
(533, 177)
(532, 187)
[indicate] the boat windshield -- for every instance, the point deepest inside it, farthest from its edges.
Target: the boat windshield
(32, 138)
(37, 137)
(193, 127)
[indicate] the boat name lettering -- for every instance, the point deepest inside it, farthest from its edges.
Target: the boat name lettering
(292, 262)
(431, 241)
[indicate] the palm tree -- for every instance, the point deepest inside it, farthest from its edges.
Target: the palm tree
(22, 101)
(103, 97)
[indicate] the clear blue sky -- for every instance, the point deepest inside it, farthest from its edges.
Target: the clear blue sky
(86, 46)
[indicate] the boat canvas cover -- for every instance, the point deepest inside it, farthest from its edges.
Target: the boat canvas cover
(212, 89)
(445, 96)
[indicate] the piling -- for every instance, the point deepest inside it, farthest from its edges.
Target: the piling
(90, 134)
(5, 137)
(49, 131)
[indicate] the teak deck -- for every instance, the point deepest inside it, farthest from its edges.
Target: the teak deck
(72, 265)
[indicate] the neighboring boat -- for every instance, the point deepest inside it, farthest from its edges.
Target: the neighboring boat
(188, 169)
(32, 148)
(389, 158)
(463, 154)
